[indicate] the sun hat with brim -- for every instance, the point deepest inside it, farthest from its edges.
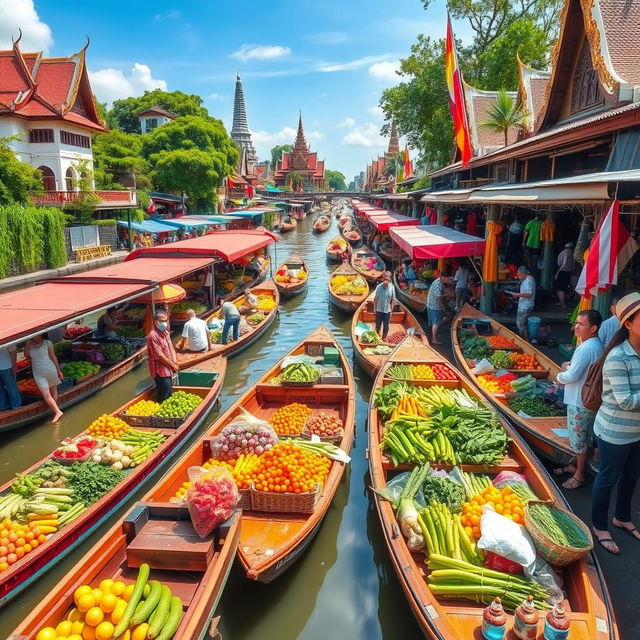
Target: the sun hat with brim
(627, 306)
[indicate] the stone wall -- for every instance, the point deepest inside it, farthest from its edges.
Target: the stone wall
(107, 234)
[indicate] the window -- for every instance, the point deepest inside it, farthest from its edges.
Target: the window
(150, 124)
(69, 179)
(48, 178)
(75, 140)
(41, 135)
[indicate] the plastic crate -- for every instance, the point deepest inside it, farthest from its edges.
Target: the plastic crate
(168, 423)
(196, 378)
(65, 385)
(331, 356)
(332, 375)
(566, 350)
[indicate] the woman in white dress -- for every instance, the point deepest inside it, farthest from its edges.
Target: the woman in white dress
(46, 371)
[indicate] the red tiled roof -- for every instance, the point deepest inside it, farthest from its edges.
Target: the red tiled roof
(312, 161)
(156, 110)
(621, 20)
(538, 87)
(54, 80)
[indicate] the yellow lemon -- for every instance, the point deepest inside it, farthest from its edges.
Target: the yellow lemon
(128, 591)
(48, 633)
(74, 615)
(97, 594)
(80, 591)
(94, 616)
(140, 632)
(64, 628)
(109, 602)
(77, 627)
(104, 631)
(118, 587)
(86, 601)
(105, 585)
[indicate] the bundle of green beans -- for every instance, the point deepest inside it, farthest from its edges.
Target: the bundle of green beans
(400, 372)
(457, 579)
(558, 525)
(145, 443)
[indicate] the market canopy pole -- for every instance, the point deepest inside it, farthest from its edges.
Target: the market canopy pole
(490, 260)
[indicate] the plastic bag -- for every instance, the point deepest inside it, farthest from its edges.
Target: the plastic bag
(244, 434)
(484, 366)
(395, 487)
(211, 498)
(297, 359)
(505, 538)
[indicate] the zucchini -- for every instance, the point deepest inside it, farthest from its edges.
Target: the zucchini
(150, 603)
(159, 616)
(173, 619)
(143, 576)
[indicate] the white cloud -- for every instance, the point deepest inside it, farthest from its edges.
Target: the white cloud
(328, 37)
(216, 97)
(112, 84)
(286, 135)
(352, 64)
(260, 52)
(22, 14)
(170, 15)
(365, 135)
(376, 112)
(385, 71)
(347, 122)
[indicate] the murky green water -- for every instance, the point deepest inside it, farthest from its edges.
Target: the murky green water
(343, 586)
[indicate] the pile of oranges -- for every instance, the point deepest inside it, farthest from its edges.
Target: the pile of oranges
(289, 419)
(500, 342)
(286, 468)
(17, 540)
(108, 427)
(504, 501)
(95, 615)
(524, 361)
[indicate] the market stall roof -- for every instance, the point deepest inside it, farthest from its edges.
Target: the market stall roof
(228, 245)
(27, 312)
(385, 222)
(212, 218)
(246, 213)
(436, 241)
(186, 222)
(151, 226)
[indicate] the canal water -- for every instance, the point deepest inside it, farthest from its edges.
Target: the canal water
(343, 586)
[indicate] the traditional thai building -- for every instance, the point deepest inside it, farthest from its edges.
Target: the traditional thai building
(48, 104)
(380, 174)
(301, 161)
(153, 118)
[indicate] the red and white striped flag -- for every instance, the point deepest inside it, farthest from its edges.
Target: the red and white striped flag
(611, 249)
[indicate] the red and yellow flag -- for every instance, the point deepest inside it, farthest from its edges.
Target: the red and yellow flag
(408, 169)
(456, 98)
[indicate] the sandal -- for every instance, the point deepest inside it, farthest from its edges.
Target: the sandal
(606, 543)
(631, 532)
(573, 483)
(560, 471)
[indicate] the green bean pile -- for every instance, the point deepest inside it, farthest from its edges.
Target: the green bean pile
(558, 526)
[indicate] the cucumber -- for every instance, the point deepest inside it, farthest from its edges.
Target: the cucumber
(150, 603)
(173, 619)
(141, 581)
(159, 616)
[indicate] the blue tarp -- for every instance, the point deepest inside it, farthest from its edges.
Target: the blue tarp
(211, 219)
(185, 223)
(247, 213)
(271, 189)
(148, 225)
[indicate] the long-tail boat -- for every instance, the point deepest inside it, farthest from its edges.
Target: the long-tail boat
(321, 224)
(34, 564)
(368, 264)
(346, 301)
(416, 302)
(271, 542)
(401, 320)
(545, 435)
(335, 248)
(587, 601)
(285, 227)
(291, 286)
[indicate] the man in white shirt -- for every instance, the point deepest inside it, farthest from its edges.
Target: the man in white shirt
(610, 326)
(526, 299)
(462, 285)
(573, 375)
(195, 333)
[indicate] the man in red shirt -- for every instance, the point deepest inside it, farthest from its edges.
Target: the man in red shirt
(162, 356)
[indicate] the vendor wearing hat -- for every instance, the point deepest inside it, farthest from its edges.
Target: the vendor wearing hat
(563, 274)
(617, 427)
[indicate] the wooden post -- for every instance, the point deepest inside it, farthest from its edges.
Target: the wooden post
(548, 260)
(488, 288)
(440, 212)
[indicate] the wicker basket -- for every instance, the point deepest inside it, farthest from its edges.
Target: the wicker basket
(334, 439)
(549, 549)
(137, 421)
(245, 499)
(272, 502)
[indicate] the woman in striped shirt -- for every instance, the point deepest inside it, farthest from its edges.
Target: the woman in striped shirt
(617, 427)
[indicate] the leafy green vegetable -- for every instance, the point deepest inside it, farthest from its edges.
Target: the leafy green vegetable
(475, 349)
(91, 480)
(479, 437)
(445, 491)
(500, 360)
(387, 398)
(370, 337)
(534, 407)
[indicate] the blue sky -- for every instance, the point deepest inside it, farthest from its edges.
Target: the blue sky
(330, 59)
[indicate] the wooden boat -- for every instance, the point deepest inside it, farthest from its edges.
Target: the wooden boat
(295, 285)
(587, 603)
(271, 542)
(392, 254)
(415, 302)
(343, 221)
(285, 227)
(538, 432)
(38, 410)
(321, 224)
(335, 255)
(359, 260)
(352, 235)
(257, 279)
(231, 349)
(34, 564)
(347, 302)
(401, 320)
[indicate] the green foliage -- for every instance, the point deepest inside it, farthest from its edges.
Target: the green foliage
(101, 108)
(117, 158)
(7, 250)
(28, 239)
(295, 180)
(83, 207)
(276, 152)
(335, 180)
(54, 251)
(17, 178)
(123, 114)
(504, 114)
(138, 215)
(105, 222)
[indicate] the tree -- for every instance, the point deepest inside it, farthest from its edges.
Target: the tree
(295, 181)
(117, 158)
(505, 113)
(84, 204)
(395, 164)
(276, 152)
(335, 180)
(17, 179)
(123, 114)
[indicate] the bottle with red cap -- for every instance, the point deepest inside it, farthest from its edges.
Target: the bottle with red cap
(494, 621)
(525, 621)
(556, 625)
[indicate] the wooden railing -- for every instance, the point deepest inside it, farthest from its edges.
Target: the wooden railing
(60, 198)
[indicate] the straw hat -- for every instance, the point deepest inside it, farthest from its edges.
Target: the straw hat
(627, 306)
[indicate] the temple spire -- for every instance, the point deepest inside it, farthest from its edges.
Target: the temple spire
(394, 145)
(301, 143)
(240, 132)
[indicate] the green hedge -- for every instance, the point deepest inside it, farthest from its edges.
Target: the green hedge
(31, 238)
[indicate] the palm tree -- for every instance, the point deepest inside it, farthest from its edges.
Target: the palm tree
(504, 114)
(394, 163)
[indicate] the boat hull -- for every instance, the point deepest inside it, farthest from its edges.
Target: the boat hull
(414, 303)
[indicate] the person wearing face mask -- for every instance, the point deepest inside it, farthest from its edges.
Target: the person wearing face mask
(163, 362)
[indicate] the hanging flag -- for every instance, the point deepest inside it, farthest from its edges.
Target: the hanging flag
(408, 169)
(456, 98)
(611, 249)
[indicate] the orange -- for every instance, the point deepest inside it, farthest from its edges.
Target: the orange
(94, 616)
(75, 636)
(128, 591)
(88, 633)
(86, 601)
(74, 615)
(64, 628)
(48, 633)
(104, 631)
(118, 587)
(77, 627)
(105, 585)
(118, 612)
(140, 632)
(97, 594)
(108, 602)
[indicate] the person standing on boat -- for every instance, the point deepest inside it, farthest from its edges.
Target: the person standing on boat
(9, 394)
(531, 242)
(563, 274)
(46, 371)
(435, 304)
(617, 427)
(573, 376)
(610, 326)
(195, 334)
(106, 325)
(462, 285)
(383, 301)
(163, 362)
(230, 315)
(526, 299)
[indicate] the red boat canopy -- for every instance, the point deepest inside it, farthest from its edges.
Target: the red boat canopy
(229, 245)
(387, 220)
(436, 241)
